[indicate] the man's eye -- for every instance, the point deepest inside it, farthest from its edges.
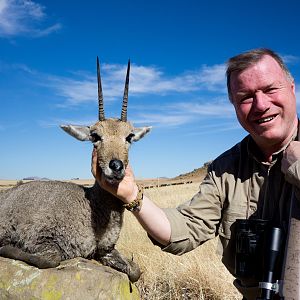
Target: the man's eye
(129, 137)
(246, 99)
(95, 138)
(270, 90)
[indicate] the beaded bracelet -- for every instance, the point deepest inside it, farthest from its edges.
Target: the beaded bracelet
(136, 204)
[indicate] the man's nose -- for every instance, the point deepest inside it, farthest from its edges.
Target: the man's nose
(261, 102)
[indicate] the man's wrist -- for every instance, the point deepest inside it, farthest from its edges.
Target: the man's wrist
(136, 200)
(130, 197)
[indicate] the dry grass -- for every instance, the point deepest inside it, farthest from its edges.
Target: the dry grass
(195, 275)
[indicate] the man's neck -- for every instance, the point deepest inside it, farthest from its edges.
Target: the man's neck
(269, 151)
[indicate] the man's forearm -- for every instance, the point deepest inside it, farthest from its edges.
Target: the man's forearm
(154, 221)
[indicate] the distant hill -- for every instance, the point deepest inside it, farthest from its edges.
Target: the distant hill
(35, 178)
(196, 175)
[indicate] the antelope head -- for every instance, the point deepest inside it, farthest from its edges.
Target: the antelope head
(111, 137)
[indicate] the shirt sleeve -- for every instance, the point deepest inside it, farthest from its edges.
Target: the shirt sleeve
(195, 221)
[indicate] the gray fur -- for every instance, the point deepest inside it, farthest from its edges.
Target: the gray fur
(56, 221)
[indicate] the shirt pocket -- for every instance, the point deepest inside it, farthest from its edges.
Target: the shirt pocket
(226, 244)
(226, 228)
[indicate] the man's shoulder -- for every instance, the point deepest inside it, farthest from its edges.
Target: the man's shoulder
(231, 157)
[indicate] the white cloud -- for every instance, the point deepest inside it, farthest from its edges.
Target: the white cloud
(168, 115)
(23, 17)
(6, 68)
(290, 59)
(169, 119)
(57, 122)
(81, 87)
(23, 68)
(143, 81)
(187, 112)
(209, 107)
(153, 80)
(43, 32)
(73, 90)
(216, 128)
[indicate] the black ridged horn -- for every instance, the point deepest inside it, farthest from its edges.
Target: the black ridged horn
(100, 95)
(125, 97)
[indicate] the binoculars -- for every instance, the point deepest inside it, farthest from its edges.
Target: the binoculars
(258, 246)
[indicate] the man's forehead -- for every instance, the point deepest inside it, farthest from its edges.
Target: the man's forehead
(266, 71)
(265, 64)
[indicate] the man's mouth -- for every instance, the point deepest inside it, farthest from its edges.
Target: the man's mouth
(266, 119)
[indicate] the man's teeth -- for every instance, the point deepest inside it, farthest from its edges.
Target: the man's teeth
(265, 120)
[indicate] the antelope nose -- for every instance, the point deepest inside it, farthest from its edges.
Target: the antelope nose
(116, 165)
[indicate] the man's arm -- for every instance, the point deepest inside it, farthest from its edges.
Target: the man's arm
(150, 216)
(154, 221)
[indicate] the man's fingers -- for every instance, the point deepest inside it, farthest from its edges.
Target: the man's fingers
(128, 170)
(94, 163)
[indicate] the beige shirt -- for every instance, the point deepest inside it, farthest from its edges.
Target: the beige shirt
(238, 185)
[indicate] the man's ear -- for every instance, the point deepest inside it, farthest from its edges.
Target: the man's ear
(140, 133)
(81, 133)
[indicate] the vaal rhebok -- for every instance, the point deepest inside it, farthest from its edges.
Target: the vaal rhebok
(45, 222)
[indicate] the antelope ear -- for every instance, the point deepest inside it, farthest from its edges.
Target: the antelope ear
(81, 133)
(140, 133)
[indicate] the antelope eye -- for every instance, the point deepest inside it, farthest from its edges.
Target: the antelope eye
(129, 137)
(95, 137)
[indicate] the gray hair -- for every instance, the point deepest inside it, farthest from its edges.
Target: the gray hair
(246, 59)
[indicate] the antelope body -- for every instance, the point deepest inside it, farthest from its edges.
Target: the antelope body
(46, 222)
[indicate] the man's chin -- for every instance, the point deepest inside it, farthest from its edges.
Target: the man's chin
(274, 140)
(267, 133)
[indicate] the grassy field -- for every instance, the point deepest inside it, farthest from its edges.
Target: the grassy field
(195, 275)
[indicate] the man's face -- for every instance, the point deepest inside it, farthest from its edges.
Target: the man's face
(265, 103)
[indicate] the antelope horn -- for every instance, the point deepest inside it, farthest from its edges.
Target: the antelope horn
(100, 95)
(125, 97)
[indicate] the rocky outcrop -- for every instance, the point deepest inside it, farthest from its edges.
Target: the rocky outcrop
(74, 279)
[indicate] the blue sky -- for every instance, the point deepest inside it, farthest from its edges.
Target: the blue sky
(178, 51)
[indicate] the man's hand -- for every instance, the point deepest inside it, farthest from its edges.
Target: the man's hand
(290, 155)
(126, 190)
(151, 217)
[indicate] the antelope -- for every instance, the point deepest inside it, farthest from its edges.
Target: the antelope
(45, 222)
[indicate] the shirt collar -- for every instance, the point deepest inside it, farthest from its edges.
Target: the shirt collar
(257, 154)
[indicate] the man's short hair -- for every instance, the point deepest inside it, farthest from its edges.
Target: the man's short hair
(246, 59)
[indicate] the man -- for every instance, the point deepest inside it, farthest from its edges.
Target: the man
(252, 179)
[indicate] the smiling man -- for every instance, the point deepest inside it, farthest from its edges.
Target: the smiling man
(263, 95)
(252, 181)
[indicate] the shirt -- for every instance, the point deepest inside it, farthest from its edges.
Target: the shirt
(238, 185)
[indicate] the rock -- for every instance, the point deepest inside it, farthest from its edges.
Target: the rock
(74, 279)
